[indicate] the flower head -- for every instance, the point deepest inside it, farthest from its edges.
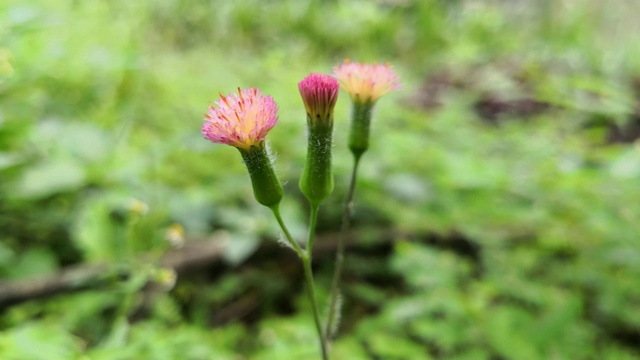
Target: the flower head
(241, 120)
(319, 93)
(366, 82)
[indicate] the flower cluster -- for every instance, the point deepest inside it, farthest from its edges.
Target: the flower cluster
(243, 121)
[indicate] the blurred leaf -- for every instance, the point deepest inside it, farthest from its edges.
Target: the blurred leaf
(47, 179)
(288, 338)
(628, 165)
(367, 294)
(8, 160)
(506, 330)
(7, 255)
(238, 247)
(35, 261)
(155, 340)
(394, 346)
(408, 187)
(348, 348)
(99, 232)
(426, 268)
(39, 341)
(83, 140)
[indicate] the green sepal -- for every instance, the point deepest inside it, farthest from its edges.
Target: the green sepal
(267, 188)
(360, 127)
(316, 182)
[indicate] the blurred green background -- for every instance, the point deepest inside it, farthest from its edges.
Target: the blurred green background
(497, 212)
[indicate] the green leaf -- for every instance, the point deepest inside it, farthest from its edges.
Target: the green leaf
(508, 332)
(8, 160)
(39, 341)
(394, 346)
(35, 261)
(239, 246)
(46, 179)
(100, 236)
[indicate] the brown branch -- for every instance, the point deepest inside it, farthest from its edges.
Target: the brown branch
(194, 255)
(75, 277)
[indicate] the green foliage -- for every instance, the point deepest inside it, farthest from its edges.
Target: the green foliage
(515, 231)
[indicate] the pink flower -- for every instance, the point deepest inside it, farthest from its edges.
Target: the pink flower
(319, 93)
(364, 82)
(241, 120)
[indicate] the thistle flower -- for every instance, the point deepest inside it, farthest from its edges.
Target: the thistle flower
(243, 121)
(319, 93)
(365, 84)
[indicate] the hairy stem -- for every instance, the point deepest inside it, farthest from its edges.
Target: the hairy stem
(276, 212)
(308, 273)
(344, 229)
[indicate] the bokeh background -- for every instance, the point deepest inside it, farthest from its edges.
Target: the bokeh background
(497, 212)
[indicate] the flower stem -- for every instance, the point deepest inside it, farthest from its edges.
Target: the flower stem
(276, 212)
(344, 229)
(306, 261)
(305, 256)
(313, 218)
(308, 273)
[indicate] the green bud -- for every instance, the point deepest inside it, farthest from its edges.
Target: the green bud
(360, 127)
(267, 188)
(316, 182)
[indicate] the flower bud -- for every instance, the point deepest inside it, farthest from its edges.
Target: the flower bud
(319, 93)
